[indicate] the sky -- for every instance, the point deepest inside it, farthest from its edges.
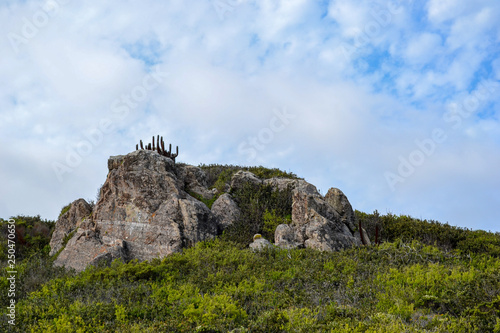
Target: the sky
(394, 102)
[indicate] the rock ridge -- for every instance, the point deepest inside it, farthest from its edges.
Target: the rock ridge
(150, 207)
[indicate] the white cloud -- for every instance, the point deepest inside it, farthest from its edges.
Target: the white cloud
(354, 116)
(423, 48)
(442, 10)
(351, 16)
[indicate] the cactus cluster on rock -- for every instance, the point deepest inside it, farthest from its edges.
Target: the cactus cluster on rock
(160, 148)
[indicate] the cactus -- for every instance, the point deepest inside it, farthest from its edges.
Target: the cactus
(159, 147)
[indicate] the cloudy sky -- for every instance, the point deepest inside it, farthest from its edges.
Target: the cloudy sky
(394, 102)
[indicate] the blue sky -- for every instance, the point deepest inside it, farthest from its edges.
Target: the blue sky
(394, 102)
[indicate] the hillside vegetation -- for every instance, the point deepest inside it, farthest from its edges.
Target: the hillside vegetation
(424, 276)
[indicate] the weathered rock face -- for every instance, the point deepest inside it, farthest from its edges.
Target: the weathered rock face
(284, 237)
(225, 210)
(143, 213)
(318, 225)
(337, 199)
(193, 180)
(299, 185)
(69, 222)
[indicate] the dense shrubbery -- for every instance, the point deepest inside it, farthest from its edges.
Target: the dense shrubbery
(444, 236)
(33, 265)
(262, 210)
(218, 287)
(423, 277)
(32, 236)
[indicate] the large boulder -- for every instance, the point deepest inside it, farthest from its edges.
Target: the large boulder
(225, 210)
(299, 185)
(323, 223)
(337, 199)
(318, 225)
(143, 212)
(68, 222)
(284, 237)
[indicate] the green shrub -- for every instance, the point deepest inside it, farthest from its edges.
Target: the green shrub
(271, 220)
(254, 201)
(431, 232)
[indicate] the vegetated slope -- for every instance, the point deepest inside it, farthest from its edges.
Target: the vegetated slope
(220, 286)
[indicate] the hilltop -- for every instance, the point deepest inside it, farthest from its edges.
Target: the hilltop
(150, 207)
(421, 276)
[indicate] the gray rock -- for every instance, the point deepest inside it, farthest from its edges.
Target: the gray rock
(225, 210)
(143, 213)
(193, 180)
(284, 237)
(299, 185)
(260, 243)
(325, 235)
(337, 199)
(316, 224)
(69, 222)
(321, 223)
(241, 178)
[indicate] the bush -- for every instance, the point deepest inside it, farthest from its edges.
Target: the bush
(262, 209)
(217, 286)
(431, 232)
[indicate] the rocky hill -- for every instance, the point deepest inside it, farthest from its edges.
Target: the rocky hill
(150, 207)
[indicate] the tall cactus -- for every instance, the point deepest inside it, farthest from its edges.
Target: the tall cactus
(159, 147)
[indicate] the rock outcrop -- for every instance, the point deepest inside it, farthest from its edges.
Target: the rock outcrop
(193, 180)
(225, 210)
(144, 212)
(315, 224)
(322, 223)
(148, 208)
(68, 222)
